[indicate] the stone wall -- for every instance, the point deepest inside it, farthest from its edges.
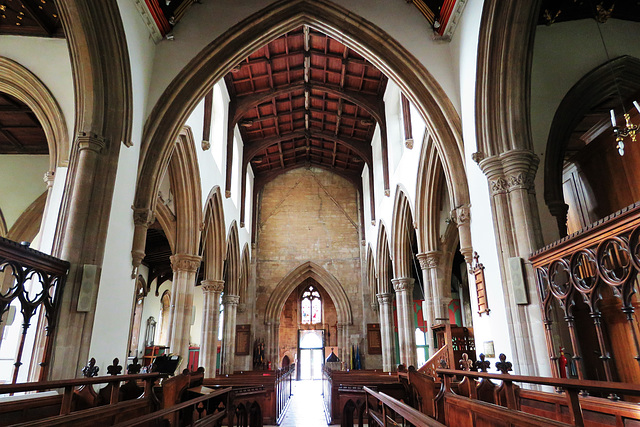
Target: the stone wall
(308, 215)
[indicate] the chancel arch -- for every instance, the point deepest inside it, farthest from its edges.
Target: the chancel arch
(220, 56)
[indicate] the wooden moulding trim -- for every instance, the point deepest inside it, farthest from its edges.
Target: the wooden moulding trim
(22, 84)
(219, 57)
(296, 276)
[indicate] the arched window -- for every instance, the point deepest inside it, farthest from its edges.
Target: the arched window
(311, 306)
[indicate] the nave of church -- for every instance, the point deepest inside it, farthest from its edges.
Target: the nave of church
(426, 209)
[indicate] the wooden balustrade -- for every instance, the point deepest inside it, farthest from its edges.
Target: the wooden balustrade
(596, 268)
(284, 390)
(473, 402)
(383, 410)
(36, 280)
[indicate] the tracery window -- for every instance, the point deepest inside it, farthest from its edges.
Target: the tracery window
(311, 306)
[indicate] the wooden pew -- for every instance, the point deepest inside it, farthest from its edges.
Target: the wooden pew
(478, 402)
(344, 396)
(79, 403)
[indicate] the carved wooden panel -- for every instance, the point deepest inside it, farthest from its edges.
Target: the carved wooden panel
(374, 342)
(243, 340)
(481, 291)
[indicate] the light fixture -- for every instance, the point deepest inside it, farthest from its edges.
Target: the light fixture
(628, 129)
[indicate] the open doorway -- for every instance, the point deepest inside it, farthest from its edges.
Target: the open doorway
(310, 354)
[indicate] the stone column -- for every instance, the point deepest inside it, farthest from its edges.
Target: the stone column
(142, 219)
(406, 326)
(386, 331)
(429, 313)
(229, 333)
(182, 287)
(211, 290)
(518, 232)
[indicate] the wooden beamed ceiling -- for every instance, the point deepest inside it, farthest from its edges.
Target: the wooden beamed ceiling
(30, 18)
(20, 130)
(305, 99)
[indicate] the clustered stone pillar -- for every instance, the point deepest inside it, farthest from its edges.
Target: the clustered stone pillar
(515, 213)
(272, 344)
(230, 303)
(211, 290)
(386, 331)
(182, 288)
(429, 312)
(406, 326)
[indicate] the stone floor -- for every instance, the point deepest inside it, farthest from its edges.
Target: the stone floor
(306, 407)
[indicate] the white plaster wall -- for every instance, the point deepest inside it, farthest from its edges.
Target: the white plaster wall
(204, 22)
(116, 294)
(20, 183)
(48, 59)
(491, 327)
(578, 47)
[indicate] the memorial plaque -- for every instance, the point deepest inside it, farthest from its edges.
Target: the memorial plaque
(374, 341)
(243, 340)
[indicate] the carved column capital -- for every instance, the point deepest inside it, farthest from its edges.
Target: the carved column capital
(461, 215)
(385, 298)
(213, 285)
(91, 141)
(143, 216)
(520, 168)
(403, 284)
(230, 300)
(48, 178)
(430, 259)
(185, 262)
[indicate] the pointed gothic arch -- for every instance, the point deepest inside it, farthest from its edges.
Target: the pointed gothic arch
(19, 82)
(219, 57)
(590, 91)
(214, 239)
(27, 226)
(401, 234)
(245, 260)
(167, 221)
(184, 178)
(429, 198)
(296, 276)
(383, 257)
(372, 279)
(231, 285)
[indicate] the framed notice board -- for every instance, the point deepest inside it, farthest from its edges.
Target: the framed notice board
(243, 340)
(374, 342)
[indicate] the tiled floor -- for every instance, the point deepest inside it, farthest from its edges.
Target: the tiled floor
(306, 407)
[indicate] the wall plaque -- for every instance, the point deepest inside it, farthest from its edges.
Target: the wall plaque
(243, 340)
(374, 342)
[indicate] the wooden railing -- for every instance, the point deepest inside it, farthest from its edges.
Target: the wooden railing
(598, 265)
(284, 379)
(387, 411)
(478, 402)
(36, 280)
(121, 398)
(435, 361)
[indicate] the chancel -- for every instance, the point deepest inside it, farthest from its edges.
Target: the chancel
(292, 212)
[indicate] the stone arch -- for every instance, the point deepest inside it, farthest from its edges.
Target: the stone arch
(429, 198)
(304, 271)
(401, 235)
(167, 221)
(245, 260)
(214, 239)
(22, 84)
(27, 225)
(220, 56)
(184, 178)
(383, 256)
(590, 91)
(231, 285)
(372, 279)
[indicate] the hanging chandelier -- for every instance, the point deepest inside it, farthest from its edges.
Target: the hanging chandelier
(628, 130)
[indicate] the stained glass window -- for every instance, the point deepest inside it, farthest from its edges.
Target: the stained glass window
(311, 306)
